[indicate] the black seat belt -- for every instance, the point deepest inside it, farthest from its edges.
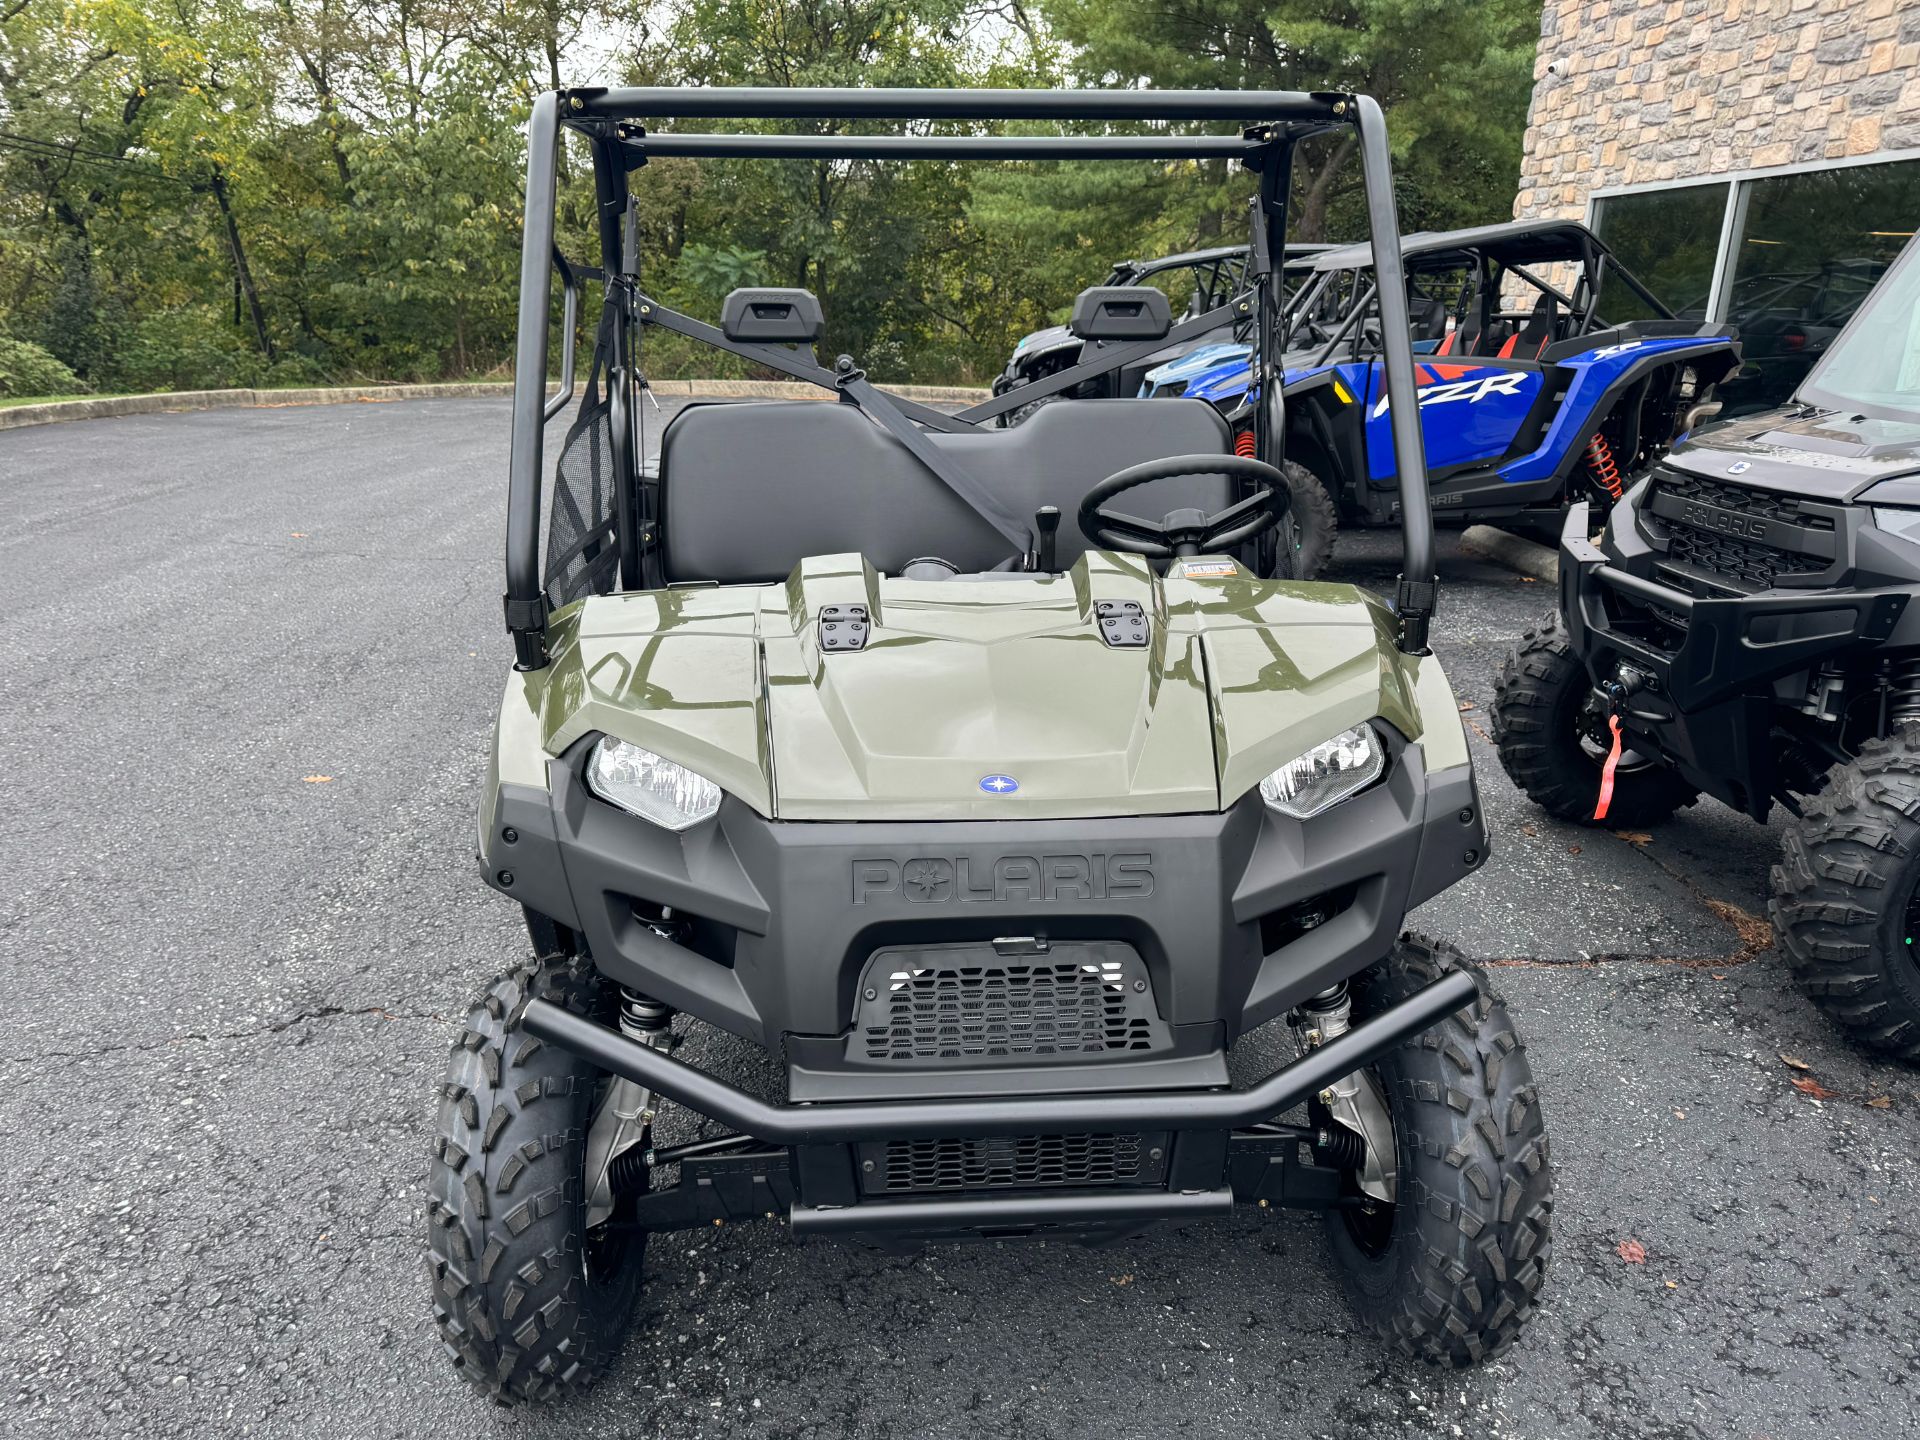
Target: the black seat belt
(943, 467)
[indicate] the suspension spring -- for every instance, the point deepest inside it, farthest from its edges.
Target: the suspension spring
(643, 1018)
(1903, 691)
(1606, 473)
(1243, 444)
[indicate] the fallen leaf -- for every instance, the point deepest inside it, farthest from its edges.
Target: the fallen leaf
(1755, 933)
(1528, 580)
(1631, 1251)
(1465, 705)
(1679, 1114)
(316, 779)
(1807, 1085)
(1880, 1102)
(1633, 837)
(1673, 1284)
(1121, 1279)
(1793, 1062)
(1573, 849)
(1528, 830)
(298, 534)
(1719, 977)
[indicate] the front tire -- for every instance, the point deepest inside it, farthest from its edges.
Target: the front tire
(529, 1303)
(1311, 524)
(1450, 1272)
(1549, 746)
(1845, 896)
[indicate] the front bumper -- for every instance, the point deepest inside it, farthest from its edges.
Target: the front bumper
(1710, 662)
(1229, 919)
(776, 928)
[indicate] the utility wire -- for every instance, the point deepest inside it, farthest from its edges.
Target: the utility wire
(32, 145)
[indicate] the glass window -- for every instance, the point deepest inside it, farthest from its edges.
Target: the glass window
(1812, 247)
(1668, 239)
(1874, 368)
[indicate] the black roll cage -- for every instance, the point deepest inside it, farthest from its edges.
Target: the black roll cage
(1273, 122)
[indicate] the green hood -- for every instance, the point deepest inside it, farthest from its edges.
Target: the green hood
(960, 680)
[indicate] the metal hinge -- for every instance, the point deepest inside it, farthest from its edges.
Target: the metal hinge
(1123, 623)
(843, 627)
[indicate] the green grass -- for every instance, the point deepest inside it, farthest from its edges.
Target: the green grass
(7, 402)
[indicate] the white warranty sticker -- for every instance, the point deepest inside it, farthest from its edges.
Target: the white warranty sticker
(1208, 569)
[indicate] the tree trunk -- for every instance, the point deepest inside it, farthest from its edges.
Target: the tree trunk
(241, 272)
(1313, 204)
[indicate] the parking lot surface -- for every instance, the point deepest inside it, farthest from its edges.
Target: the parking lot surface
(251, 659)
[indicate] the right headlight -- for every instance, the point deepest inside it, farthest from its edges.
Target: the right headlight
(1332, 771)
(1895, 521)
(650, 786)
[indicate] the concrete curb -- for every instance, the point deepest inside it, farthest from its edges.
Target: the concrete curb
(23, 415)
(1513, 552)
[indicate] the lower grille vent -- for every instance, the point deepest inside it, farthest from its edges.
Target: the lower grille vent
(1013, 1162)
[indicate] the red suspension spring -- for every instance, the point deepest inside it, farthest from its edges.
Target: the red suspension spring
(1606, 474)
(1243, 444)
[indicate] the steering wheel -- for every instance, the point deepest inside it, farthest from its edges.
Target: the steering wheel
(1185, 532)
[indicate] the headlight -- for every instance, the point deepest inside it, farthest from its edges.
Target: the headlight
(643, 784)
(1904, 523)
(1330, 772)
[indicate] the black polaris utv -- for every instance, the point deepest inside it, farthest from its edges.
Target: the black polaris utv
(1741, 630)
(995, 833)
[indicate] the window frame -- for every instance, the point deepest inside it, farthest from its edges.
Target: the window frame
(1738, 185)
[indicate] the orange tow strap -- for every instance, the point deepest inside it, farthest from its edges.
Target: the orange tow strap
(1606, 770)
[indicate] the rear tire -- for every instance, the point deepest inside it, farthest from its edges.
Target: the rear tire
(529, 1305)
(1843, 896)
(1312, 523)
(1538, 702)
(1451, 1271)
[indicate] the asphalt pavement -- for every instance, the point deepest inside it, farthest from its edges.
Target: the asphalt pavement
(251, 657)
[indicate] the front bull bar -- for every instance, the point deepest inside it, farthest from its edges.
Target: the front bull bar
(1110, 1114)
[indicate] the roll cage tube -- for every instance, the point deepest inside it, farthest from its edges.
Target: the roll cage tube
(610, 119)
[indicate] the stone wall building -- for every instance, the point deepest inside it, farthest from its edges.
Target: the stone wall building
(1754, 161)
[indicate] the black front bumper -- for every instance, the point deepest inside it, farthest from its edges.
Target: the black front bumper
(1198, 917)
(1710, 660)
(777, 925)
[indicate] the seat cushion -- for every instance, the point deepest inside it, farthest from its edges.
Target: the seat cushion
(748, 491)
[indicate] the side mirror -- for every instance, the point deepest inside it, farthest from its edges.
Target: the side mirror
(1121, 312)
(779, 317)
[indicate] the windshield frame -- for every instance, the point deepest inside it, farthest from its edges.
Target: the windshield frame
(1813, 392)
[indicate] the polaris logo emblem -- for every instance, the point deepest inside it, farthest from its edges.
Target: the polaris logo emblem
(999, 784)
(1725, 522)
(1739, 467)
(938, 879)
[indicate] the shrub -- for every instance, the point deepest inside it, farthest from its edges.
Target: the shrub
(26, 369)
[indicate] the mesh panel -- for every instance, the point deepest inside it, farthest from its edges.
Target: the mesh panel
(582, 558)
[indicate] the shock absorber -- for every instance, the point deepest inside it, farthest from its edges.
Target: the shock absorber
(1601, 464)
(643, 1018)
(1243, 443)
(1903, 691)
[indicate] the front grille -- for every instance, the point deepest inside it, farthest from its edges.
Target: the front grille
(1012, 1162)
(1745, 563)
(1754, 566)
(948, 1003)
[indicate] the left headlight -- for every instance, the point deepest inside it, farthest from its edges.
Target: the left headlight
(644, 784)
(1330, 772)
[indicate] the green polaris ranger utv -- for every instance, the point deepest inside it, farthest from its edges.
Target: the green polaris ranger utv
(995, 833)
